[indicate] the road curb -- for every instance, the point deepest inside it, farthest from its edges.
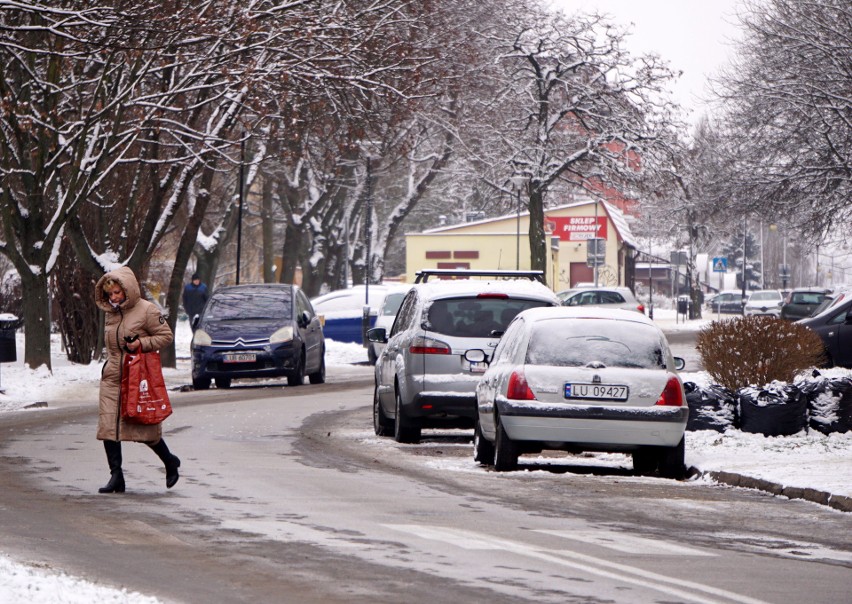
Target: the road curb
(837, 502)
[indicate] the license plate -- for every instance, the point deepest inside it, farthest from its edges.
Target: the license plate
(603, 392)
(239, 358)
(473, 366)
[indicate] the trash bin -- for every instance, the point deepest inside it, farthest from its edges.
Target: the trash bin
(683, 305)
(8, 324)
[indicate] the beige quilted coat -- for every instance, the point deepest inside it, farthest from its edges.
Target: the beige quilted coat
(135, 316)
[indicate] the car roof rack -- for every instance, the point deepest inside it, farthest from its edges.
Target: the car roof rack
(422, 276)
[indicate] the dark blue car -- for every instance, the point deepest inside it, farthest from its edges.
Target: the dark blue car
(257, 331)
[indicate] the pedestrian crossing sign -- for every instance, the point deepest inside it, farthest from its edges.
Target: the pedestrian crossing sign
(720, 265)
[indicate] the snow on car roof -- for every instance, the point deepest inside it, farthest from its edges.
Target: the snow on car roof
(513, 287)
(587, 312)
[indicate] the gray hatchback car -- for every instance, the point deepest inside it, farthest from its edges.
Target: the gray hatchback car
(422, 379)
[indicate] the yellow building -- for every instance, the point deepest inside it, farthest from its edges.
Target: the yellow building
(502, 243)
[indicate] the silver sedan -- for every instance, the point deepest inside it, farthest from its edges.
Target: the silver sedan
(582, 379)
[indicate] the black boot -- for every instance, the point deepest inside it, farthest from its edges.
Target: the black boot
(171, 462)
(116, 479)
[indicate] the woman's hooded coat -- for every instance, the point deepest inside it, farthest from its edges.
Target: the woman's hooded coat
(134, 316)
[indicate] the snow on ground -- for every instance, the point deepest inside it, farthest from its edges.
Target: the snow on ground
(804, 460)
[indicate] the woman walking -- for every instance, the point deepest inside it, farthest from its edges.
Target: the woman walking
(132, 324)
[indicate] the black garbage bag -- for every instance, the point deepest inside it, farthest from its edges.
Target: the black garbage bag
(829, 403)
(710, 407)
(779, 409)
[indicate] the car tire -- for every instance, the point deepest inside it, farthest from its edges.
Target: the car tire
(297, 376)
(505, 451)
(202, 383)
(645, 461)
(483, 449)
(319, 376)
(223, 382)
(402, 431)
(672, 461)
(381, 424)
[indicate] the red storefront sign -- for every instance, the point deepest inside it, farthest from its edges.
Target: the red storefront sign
(577, 228)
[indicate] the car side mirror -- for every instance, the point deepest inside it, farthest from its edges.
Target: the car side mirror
(679, 363)
(304, 318)
(475, 355)
(378, 335)
(196, 319)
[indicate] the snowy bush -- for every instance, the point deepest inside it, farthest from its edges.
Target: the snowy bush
(753, 351)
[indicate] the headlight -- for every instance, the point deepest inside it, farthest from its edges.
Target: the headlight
(285, 334)
(201, 338)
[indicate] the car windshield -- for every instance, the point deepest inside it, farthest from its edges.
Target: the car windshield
(475, 317)
(392, 304)
(578, 342)
(248, 305)
(765, 296)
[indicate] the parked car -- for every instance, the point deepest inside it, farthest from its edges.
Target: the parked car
(341, 311)
(422, 379)
(582, 379)
(609, 297)
(833, 299)
(802, 302)
(385, 317)
(764, 302)
(728, 302)
(257, 331)
(834, 326)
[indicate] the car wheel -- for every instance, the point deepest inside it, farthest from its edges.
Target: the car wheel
(402, 431)
(645, 461)
(381, 424)
(319, 376)
(505, 451)
(483, 449)
(223, 382)
(200, 383)
(672, 461)
(297, 376)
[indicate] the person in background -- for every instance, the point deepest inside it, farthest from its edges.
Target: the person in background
(194, 298)
(132, 324)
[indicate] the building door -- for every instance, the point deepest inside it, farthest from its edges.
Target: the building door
(581, 273)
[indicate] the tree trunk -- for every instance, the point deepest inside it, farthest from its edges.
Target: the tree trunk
(538, 245)
(36, 319)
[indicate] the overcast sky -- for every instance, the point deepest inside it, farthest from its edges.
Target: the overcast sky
(694, 36)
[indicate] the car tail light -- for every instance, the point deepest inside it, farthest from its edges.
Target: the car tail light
(672, 395)
(499, 296)
(422, 345)
(518, 388)
(641, 308)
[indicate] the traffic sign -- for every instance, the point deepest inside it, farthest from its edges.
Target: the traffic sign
(720, 265)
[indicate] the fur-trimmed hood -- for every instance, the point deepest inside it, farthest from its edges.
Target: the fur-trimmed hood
(125, 277)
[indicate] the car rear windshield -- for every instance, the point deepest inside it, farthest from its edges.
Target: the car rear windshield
(806, 298)
(578, 342)
(248, 305)
(475, 317)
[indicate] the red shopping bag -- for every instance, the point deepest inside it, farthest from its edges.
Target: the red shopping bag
(144, 398)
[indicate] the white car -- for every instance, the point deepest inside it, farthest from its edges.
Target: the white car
(385, 317)
(582, 379)
(764, 302)
(608, 297)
